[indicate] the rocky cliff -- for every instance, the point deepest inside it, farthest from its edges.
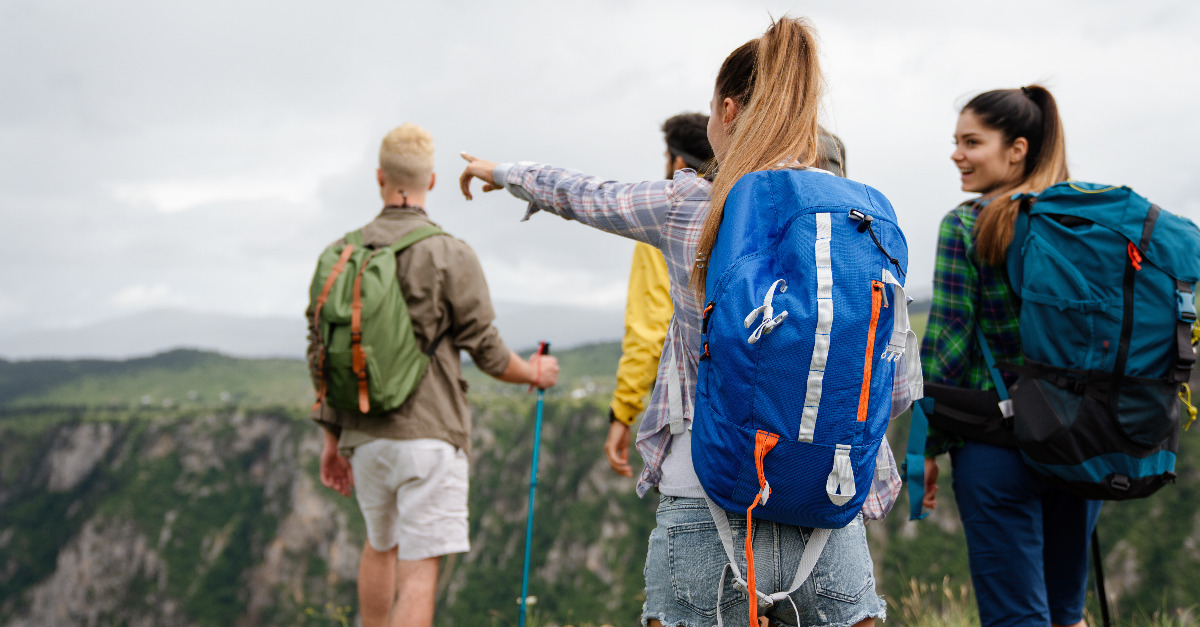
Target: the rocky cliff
(152, 515)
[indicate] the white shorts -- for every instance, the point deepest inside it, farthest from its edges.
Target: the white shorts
(413, 494)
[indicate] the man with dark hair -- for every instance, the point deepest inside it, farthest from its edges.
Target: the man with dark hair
(648, 304)
(687, 142)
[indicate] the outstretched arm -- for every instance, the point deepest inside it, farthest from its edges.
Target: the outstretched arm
(640, 211)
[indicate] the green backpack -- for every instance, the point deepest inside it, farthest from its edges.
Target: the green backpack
(369, 359)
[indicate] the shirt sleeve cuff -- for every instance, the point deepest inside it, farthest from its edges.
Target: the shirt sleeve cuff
(622, 414)
(500, 174)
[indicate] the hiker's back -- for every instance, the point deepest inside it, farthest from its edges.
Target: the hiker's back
(805, 325)
(449, 309)
(370, 361)
(1106, 281)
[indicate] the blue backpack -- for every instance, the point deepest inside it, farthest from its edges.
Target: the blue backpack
(1107, 321)
(805, 325)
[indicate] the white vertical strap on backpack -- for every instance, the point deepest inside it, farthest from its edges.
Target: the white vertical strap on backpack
(840, 483)
(820, 354)
(903, 344)
(808, 561)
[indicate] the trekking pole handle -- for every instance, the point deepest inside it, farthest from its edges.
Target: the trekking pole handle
(543, 349)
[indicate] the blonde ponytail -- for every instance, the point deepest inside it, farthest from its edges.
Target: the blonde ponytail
(777, 126)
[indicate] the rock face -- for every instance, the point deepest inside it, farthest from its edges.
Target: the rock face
(92, 575)
(209, 520)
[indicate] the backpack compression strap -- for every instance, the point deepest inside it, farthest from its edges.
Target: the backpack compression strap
(1185, 359)
(358, 355)
(763, 443)
(333, 275)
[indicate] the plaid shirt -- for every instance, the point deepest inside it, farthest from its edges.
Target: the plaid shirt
(667, 214)
(966, 293)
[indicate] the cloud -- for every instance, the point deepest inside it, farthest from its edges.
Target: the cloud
(170, 196)
(140, 296)
(201, 155)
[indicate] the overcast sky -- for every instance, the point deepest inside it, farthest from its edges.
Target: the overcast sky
(198, 155)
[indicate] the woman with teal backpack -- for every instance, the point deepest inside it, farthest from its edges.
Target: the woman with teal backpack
(1027, 541)
(764, 117)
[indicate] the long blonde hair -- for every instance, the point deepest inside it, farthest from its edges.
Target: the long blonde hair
(776, 79)
(1028, 112)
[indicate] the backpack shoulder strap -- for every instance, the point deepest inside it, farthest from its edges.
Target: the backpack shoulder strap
(355, 238)
(1006, 406)
(914, 457)
(414, 236)
(1014, 262)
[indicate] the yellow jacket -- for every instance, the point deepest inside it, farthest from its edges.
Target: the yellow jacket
(648, 310)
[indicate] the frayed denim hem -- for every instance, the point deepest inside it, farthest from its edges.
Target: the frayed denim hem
(661, 617)
(880, 616)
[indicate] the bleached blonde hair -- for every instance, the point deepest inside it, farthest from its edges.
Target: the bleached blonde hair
(406, 155)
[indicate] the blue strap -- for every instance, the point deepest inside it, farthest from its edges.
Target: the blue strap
(914, 459)
(997, 380)
(1014, 261)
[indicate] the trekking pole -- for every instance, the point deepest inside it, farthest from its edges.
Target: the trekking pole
(1098, 566)
(543, 349)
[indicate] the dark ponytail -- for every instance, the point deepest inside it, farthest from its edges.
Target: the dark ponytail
(1028, 112)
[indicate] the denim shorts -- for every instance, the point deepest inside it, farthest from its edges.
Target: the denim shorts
(685, 563)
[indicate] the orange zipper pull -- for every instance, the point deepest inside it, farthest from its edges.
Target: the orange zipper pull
(1135, 256)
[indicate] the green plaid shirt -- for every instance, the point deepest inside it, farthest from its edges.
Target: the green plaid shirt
(966, 293)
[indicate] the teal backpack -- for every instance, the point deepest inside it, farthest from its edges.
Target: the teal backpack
(1108, 327)
(1107, 282)
(369, 359)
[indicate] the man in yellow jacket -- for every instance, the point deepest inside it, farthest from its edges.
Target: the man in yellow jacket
(648, 307)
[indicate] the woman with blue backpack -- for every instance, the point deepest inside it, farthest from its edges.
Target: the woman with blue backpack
(1027, 541)
(764, 118)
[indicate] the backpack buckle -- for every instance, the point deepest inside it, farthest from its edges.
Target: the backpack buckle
(1186, 306)
(765, 492)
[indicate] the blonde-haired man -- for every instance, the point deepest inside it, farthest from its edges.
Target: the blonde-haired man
(408, 467)
(406, 156)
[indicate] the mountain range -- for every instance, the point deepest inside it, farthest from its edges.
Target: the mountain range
(154, 331)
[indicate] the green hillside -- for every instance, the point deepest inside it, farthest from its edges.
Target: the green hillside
(179, 378)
